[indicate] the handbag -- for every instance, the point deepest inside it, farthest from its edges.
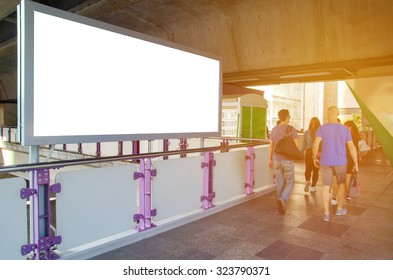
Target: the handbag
(354, 186)
(363, 147)
(287, 147)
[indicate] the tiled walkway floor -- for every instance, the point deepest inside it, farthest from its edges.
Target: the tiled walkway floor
(256, 230)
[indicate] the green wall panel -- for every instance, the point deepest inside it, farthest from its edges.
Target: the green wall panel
(253, 122)
(246, 123)
(382, 133)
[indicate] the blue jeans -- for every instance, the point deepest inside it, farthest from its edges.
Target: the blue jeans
(285, 178)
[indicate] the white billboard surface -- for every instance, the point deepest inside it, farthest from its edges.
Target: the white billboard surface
(82, 80)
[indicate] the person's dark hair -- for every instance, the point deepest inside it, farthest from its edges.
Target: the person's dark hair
(313, 127)
(354, 129)
(314, 124)
(283, 114)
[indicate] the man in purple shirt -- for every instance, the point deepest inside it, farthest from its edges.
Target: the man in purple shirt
(334, 137)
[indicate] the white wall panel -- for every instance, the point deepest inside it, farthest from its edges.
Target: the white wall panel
(262, 173)
(95, 203)
(13, 219)
(229, 175)
(178, 186)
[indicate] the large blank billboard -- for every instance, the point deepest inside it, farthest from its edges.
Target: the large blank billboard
(81, 80)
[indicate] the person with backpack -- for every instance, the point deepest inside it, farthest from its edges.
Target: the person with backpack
(284, 168)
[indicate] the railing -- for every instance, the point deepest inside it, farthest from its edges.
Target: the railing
(60, 164)
(107, 206)
(8, 140)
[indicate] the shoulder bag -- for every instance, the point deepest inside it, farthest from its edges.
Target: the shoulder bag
(287, 147)
(354, 186)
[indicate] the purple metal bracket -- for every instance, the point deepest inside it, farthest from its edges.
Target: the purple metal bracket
(208, 198)
(43, 242)
(43, 176)
(27, 249)
(208, 194)
(138, 217)
(56, 240)
(250, 158)
(40, 190)
(138, 175)
(26, 193)
(144, 176)
(56, 188)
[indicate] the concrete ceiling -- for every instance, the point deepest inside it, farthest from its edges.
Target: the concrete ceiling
(261, 42)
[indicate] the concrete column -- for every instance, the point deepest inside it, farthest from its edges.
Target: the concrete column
(330, 97)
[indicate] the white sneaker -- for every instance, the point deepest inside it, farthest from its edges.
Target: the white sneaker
(307, 185)
(333, 201)
(313, 189)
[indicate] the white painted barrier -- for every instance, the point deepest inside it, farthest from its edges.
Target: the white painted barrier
(13, 219)
(96, 206)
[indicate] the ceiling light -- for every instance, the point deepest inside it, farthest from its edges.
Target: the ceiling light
(229, 80)
(304, 75)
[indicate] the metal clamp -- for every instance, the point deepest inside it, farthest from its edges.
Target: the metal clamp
(208, 197)
(56, 240)
(138, 175)
(47, 242)
(27, 249)
(26, 193)
(56, 188)
(250, 157)
(153, 172)
(208, 164)
(138, 217)
(43, 176)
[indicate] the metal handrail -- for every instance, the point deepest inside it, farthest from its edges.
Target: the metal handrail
(64, 163)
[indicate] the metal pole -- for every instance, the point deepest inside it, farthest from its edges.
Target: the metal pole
(208, 194)
(34, 157)
(135, 147)
(165, 147)
(202, 145)
(120, 148)
(250, 157)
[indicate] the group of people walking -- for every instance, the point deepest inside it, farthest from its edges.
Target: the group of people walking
(331, 150)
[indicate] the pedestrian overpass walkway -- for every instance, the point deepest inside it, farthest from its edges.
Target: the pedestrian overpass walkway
(255, 229)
